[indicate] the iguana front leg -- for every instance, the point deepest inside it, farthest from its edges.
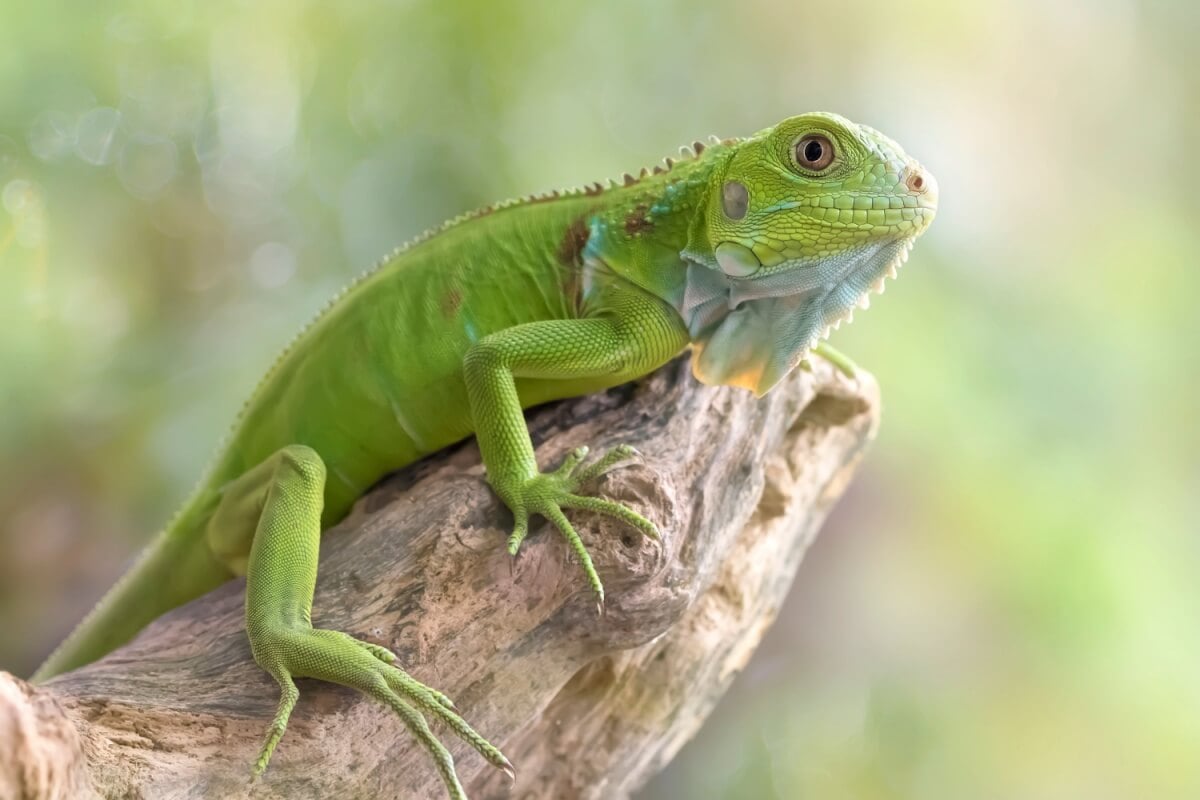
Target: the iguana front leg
(268, 524)
(629, 335)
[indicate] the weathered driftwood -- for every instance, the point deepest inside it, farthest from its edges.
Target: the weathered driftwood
(586, 706)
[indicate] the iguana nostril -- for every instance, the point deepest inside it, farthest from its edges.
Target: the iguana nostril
(922, 185)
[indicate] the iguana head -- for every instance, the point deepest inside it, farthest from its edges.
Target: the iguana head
(802, 222)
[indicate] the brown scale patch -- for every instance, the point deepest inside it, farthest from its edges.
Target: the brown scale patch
(570, 249)
(451, 301)
(637, 222)
(571, 287)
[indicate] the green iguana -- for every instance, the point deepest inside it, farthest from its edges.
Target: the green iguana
(748, 251)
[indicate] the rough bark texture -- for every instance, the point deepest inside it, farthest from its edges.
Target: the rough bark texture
(586, 706)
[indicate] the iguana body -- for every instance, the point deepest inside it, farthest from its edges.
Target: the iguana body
(747, 250)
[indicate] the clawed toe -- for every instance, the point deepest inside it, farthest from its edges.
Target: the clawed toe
(573, 460)
(606, 462)
(340, 658)
(614, 510)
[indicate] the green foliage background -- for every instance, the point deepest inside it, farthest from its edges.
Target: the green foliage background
(1006, 605)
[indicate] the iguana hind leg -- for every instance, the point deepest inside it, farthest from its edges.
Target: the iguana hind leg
(269, 526)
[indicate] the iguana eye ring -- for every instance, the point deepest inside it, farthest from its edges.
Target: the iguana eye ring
(814, 152)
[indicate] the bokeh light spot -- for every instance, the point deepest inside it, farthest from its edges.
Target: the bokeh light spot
(51, 136)
(272, 265)
(96, 135)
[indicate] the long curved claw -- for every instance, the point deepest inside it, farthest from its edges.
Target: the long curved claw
(556, 516)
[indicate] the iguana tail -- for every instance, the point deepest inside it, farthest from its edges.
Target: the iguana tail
(176, 567)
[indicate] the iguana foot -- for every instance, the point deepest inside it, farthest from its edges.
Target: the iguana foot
(305, 652)
(549, 493)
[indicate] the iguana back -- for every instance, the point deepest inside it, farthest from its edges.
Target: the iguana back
(376, 381)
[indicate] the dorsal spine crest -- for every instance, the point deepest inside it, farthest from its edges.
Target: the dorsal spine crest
(626, 180)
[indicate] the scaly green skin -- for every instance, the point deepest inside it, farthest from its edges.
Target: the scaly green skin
(739, 251)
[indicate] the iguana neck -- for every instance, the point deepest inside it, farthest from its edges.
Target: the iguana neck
(641, 230)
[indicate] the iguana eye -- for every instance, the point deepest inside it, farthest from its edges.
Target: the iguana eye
(814, 152)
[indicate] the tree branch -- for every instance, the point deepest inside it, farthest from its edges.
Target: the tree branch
(586, 706)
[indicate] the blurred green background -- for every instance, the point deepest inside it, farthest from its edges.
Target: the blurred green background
(1006, 605)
